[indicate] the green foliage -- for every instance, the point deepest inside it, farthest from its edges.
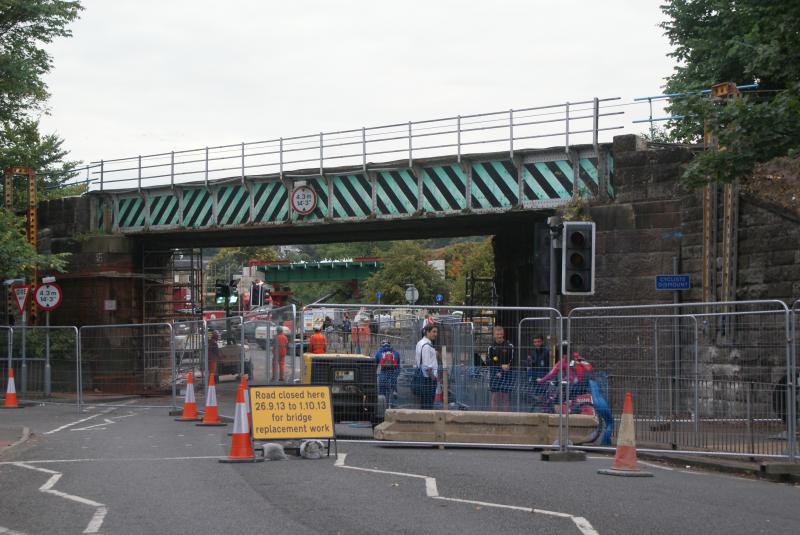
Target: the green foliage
(25, 27)
(17, 256)
(742, 41)
(405, 262)
(749, 132)
(465, 258)
(229, 260)
(21, 144)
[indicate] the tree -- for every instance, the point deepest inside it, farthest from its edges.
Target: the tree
(25, 27)
(742, 41)
(21, 144)
(405, 262)
(17, 256)
(476, 259)
(230, 260)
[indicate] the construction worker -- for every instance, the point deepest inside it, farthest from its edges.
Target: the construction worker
(280, 363)
(317, 344)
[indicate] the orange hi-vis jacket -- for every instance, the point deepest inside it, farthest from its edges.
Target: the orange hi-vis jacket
(317, 343)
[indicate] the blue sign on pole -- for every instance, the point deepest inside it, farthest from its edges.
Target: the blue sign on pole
(673, 282)
(439, 298)
(378, 295)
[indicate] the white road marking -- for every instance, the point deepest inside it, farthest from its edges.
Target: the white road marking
(67, 426)
(97, 520)
(584, 525)
(6, 531)
(653, 465)
(98, 427)
(100, 509)
(487, 504)
(432, 491)
(111, 459)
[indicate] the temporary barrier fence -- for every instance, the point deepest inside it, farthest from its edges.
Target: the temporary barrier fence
(717, 390)
(464, 336)
(708, 378)
(44, 361)
(118, 362)
(191, 357)
(226, 347)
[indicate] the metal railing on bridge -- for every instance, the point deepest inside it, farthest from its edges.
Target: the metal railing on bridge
(567, 123)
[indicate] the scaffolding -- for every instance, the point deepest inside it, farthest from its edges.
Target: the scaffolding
(172, 286)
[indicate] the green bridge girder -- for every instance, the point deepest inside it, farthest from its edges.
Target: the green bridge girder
(319, 271)
(528, 180)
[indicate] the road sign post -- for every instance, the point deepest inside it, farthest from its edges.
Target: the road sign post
(412, 294)
(21, 292)
(48, 297)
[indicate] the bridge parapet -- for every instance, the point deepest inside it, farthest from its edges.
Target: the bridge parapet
(446, 185)
(253, 183)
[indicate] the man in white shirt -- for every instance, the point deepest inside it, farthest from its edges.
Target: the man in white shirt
(426, 360)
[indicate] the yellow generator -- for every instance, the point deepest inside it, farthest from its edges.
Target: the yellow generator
(354, 385)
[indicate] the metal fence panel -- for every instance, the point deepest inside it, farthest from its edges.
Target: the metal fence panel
(44, 361)
(121, 362)
(704, 376)
(465, 334)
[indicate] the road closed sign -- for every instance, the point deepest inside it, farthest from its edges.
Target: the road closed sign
(291, 412)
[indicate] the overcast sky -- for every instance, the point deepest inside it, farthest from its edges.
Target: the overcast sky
(142, 76)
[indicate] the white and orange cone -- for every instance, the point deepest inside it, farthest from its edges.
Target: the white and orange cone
(211, 415)
(189, 402)
(625, 462)
(241, 446)
(247, 401)
(11, 393)
(243, 386)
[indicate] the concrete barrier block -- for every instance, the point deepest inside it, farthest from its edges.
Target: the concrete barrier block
(479, 427)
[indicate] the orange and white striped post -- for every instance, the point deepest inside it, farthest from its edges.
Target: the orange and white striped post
(625, 462)
(189, 402)
(11, 392)
(241, 445)
(211, 415)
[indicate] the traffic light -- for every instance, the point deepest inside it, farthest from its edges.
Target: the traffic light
(233, 292)
(221, 292)
(577, 258)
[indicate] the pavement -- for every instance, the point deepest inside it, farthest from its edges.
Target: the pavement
(131, 469)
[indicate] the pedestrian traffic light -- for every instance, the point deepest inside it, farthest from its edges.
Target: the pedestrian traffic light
(577, 258)
(221, 291)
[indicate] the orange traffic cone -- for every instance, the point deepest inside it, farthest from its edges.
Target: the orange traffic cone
(189, 403)
(211, 416)
(247, 401)
(241, 446)
(243, 385)
(437, 398)
(625, 463)
(11, 393)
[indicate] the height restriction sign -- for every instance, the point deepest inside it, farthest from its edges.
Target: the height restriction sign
(48, 296)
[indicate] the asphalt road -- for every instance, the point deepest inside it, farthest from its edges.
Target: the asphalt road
(129, 470)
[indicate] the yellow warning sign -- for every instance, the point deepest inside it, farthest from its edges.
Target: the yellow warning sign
(289, 412)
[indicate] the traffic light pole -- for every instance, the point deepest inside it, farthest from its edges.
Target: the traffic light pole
(554, 223)
(555, 232)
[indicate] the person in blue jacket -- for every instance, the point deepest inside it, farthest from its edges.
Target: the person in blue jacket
(388, 361)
